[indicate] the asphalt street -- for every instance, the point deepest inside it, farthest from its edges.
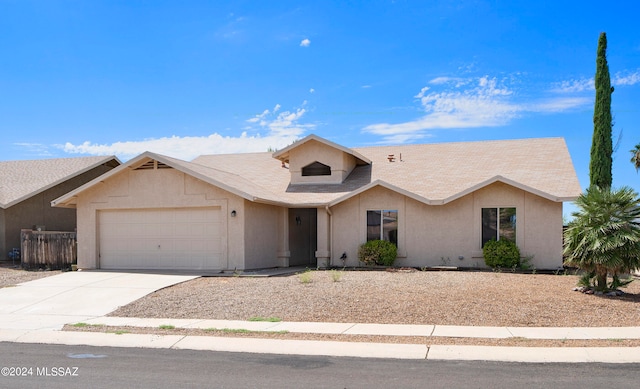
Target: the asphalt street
(61, 366)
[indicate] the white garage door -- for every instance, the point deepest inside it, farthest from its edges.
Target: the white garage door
(180, 238)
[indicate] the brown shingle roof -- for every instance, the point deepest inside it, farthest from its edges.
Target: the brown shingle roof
(433, 173)
(20, 180)
(231, 181)
(445, 171)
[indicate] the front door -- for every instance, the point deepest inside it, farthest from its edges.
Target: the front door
(303, 236)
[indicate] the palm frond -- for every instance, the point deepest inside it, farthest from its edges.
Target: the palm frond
(605, 231)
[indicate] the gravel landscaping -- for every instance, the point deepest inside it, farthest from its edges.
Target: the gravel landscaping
(404, 297)
(11, 276)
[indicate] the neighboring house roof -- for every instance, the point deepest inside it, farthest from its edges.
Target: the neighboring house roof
(20, 180)
(430, 173)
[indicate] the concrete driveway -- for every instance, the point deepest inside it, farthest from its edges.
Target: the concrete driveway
(51, 302)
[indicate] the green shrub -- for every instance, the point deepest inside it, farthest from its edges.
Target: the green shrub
(306, 277)
(586, 280)
(501, 254)
(378, 252)
(336, 275)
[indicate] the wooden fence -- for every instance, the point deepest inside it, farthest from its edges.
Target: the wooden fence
(52, 250)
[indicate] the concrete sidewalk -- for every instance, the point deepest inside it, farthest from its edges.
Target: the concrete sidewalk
(327, 348)
(51, 302)
(562, 333)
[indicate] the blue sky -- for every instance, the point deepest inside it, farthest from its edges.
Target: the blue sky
(188, 78)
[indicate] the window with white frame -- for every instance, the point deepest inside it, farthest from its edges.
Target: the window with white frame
(498, 223)
(382, 225)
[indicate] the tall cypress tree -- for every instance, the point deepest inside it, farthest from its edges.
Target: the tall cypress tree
(602, 144)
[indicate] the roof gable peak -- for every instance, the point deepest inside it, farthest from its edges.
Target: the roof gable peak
(283, 155)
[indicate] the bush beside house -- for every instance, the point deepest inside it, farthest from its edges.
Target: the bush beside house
(501, 254)
(378, 252)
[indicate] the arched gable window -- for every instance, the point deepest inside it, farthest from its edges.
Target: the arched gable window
(316, 169)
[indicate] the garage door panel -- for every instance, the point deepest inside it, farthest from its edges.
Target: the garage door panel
(185, 246)
(161, 239)
(142, 245)
(208, 230)
(212, 229)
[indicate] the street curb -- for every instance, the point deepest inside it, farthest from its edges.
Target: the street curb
(335, 348)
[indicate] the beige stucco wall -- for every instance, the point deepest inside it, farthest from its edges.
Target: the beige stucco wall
(543, 226)
(349, 221)
(323, 242)
(152, 189)
(539, 223)
(3, 237)
(428, 235)
(436, 235)
(261, 235)
(340, 162)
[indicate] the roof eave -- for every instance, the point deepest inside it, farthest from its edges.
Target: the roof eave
(567, 198)
(386, 185)
(510, 182)
(71, 203)
(66, 178)
(262, 200)
(454, 197)
(63, 201)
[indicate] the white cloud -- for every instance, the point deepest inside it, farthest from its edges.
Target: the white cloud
(573, 86)
(185, 148)
(484, 102)
(38, 149)
(312, 90)
(305, 42)
(560, 104)
(484, 105)
(365, 86)
(627, 79)
(404, 138)
(422, 92)
(448, 80)
(439, 80)
(259, 117)
(281, 128)
(588, 84)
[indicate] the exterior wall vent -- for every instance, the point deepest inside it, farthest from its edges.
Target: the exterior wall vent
(146, 166)
(316, 169)
(153, 164)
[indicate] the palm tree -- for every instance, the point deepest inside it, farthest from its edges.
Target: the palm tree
(635, 156)
(604, 236)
